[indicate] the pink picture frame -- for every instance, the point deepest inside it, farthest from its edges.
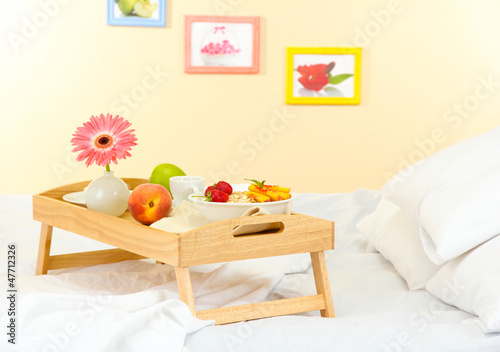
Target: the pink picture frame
(222, 44)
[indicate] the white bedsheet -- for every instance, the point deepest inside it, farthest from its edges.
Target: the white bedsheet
(134, 306)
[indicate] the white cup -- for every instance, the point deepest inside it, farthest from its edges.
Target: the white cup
(183, 186)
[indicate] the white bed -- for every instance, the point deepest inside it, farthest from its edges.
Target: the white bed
(380, 304)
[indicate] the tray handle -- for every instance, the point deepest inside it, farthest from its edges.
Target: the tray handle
(258, 228)
(257, 225)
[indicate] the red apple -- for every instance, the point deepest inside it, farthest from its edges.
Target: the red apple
(149, 202)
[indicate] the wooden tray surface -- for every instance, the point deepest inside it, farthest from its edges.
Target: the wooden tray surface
(211, 243)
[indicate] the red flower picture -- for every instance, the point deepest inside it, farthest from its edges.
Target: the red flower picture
(313, 77)
(323, 75)
(316, 77)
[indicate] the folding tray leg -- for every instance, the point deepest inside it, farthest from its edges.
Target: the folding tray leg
(322, 282)
(44, 250)
(185, 288)
(322, 301)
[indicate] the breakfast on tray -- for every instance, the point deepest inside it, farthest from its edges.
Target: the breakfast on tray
(258, 192)
(222, 201)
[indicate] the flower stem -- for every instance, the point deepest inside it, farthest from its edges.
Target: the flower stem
(108, 169)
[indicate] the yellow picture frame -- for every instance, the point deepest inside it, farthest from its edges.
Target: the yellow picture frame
(323, 76)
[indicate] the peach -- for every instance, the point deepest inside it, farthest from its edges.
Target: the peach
(149, 203)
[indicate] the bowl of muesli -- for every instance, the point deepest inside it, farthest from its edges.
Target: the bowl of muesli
(237, 205)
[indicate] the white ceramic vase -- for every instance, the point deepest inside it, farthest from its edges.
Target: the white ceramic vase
(107, 194)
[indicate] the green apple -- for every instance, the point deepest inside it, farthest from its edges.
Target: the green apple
(161, 174)
(126, 6)
(144, 9)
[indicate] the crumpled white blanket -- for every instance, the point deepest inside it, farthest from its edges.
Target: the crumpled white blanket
(70, 322)
(133, 305)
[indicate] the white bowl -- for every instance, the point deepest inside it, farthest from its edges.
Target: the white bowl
(214, 211)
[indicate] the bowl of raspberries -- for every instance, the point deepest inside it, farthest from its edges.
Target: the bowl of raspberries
(222, 201)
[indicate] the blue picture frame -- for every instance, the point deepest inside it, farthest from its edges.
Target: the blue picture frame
(116, 18)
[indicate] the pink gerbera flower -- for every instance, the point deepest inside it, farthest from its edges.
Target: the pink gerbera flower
(103, 140)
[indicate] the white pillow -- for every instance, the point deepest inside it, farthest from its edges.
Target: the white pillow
(396, 236)
(454, 195)
(471, 282)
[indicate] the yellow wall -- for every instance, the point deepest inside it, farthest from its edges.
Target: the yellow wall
(430, 77)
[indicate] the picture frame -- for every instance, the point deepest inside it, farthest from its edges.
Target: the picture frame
(222, 44)
(118, 13)
(323, 75)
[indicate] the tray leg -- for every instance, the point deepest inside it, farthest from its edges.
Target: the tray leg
(44, 250)
(185, 288)
(322, 282)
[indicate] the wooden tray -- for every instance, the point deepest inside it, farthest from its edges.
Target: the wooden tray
(212, 243)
